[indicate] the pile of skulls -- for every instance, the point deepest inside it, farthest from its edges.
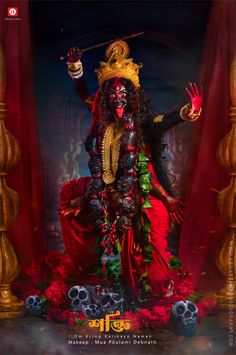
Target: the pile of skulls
(95, 301)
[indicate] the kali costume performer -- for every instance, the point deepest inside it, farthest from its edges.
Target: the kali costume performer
(117, 221)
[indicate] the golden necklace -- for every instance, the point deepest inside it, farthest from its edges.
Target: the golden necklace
(110, 152)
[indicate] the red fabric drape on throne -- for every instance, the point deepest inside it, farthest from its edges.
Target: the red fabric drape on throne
(26, 177)
(204, 228)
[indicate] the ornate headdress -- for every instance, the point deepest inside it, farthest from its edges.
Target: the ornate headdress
(118, 64)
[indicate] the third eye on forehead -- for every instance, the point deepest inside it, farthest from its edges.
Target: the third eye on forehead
(118, 89)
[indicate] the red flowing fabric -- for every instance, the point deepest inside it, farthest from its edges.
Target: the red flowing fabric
(78, 233)
(204, 228)
(158, 271)
(132, 264)
(26, 177)
(79, 237)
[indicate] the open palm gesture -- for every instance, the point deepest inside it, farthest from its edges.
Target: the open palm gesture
(196, 98)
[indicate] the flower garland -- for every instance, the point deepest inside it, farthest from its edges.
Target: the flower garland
(145, 186)
(113, 205)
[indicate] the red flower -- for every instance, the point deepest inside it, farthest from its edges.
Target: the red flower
(156, 318)
(162, 315)
(56, 293)
(81, 316)
(185, 287)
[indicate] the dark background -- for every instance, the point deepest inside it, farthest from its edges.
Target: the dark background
(170, 50)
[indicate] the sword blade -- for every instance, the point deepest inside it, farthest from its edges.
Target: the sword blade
(111, 41)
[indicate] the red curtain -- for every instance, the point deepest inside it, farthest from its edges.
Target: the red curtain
(204, 228)
(26, 177)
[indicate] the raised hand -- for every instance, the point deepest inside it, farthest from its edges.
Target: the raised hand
(175, 209)
(174, 205)
(74, 208)
(75, 67)
(74, 54)
(196, 98)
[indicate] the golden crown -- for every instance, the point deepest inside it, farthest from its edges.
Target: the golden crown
(118, 64)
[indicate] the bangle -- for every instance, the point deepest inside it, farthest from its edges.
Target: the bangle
(75, 70)
(184, 113)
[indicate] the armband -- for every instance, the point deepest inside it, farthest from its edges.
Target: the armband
(184, 113)
(75, 70)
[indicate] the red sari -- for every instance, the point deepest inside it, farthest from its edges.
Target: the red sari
(79, 237)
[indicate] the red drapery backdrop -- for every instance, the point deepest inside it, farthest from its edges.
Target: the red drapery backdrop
(204, 228)
(26, 234)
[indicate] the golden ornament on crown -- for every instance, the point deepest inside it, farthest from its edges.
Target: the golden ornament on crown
(118, 64)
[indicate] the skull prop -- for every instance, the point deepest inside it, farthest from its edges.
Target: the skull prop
(79, 298)
(184, 318)
(97, 292)
(35, 305)
(111, 302)
(92, 311)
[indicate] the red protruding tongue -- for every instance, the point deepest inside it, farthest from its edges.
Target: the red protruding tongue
(119, 111)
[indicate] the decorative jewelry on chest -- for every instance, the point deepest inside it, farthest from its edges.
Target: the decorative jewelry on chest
(110, 153)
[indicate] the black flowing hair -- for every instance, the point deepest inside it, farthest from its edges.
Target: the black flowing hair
(140, 107)
(153, 134)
